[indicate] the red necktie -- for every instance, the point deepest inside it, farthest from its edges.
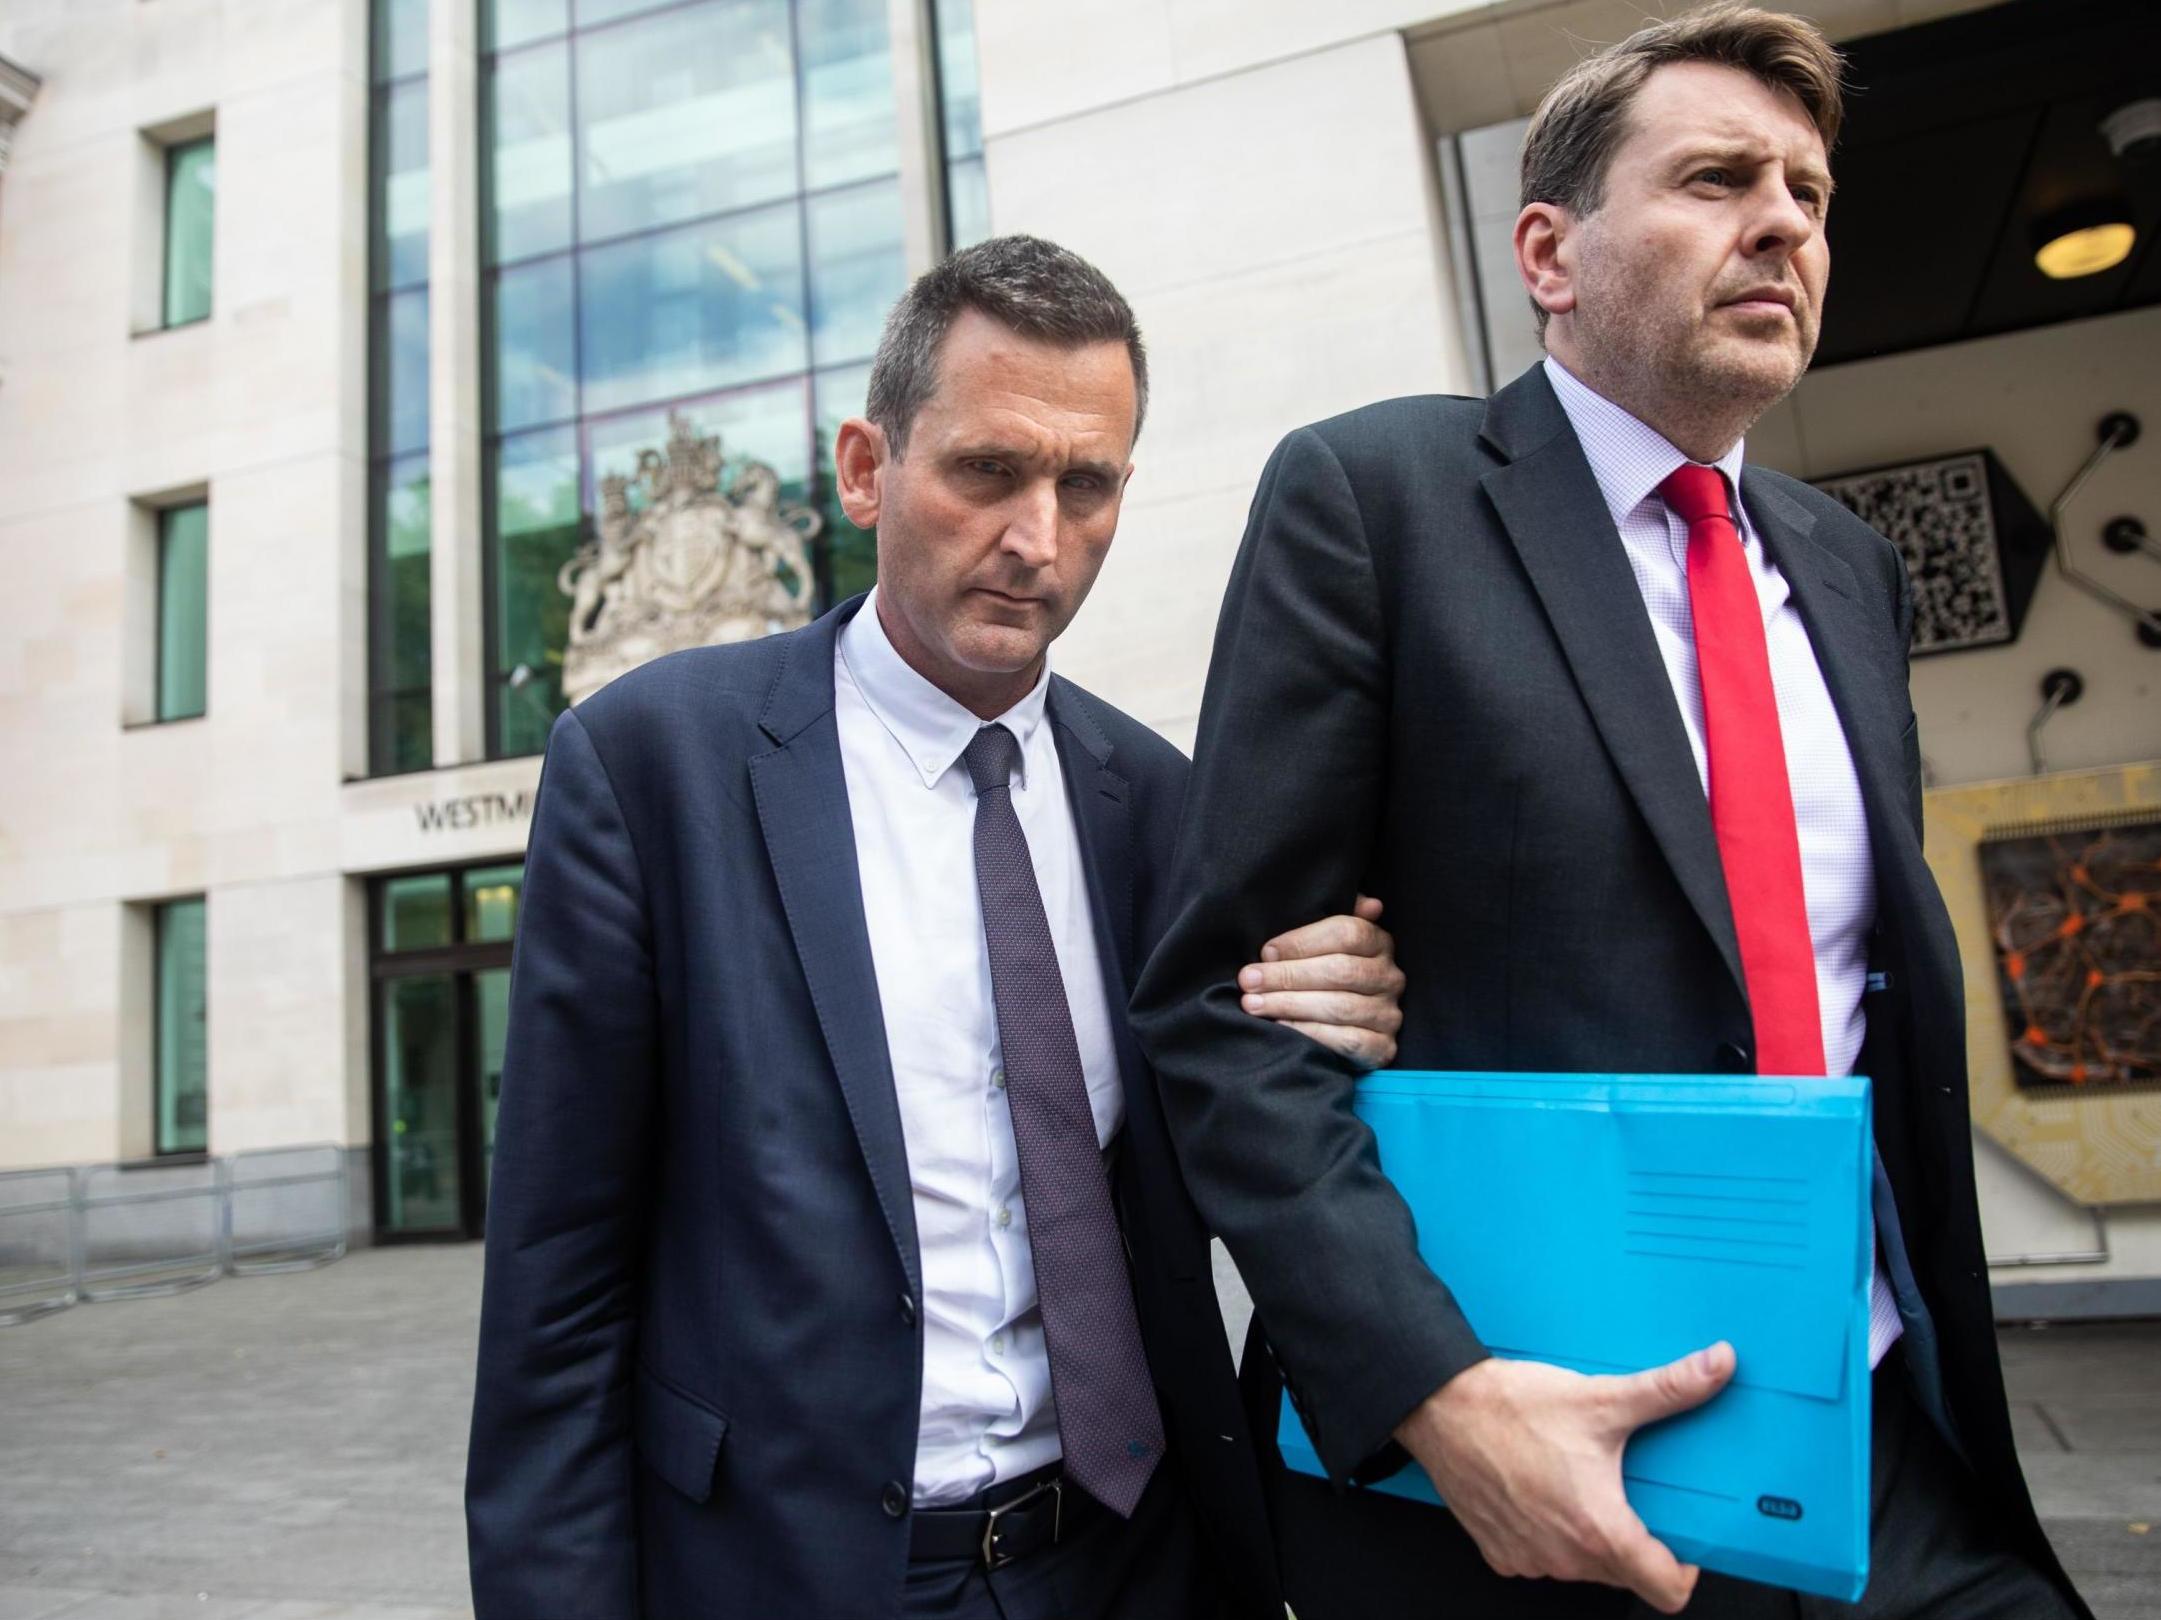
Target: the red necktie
(1751, 798)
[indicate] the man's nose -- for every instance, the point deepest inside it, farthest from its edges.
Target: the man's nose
(1031, 533)
(1782, 225)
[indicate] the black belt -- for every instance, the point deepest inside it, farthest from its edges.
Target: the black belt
(1037, 1510)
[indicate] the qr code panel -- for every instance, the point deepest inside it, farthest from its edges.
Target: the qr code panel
(1938, 515)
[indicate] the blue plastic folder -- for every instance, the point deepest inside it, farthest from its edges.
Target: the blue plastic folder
(1609, 1223)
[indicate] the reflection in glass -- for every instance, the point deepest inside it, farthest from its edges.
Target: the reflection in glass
(183, 611)
(190, 209)
(504, 23)
(401, 38)
(765, 422)
(403, 645)
(535, 367)
(692, 310)
(183, 1054)
(684, 114)
(401, 371)
(491, 903)
(857, 269)
(491, 1030)
(849, 131)
(420, 1102)
(416, 912)
(529, 134)
(957, 87)
(851, 553)
(537, 528)
(967, 203)
(401, 731)
(600, 11)
(401, 147)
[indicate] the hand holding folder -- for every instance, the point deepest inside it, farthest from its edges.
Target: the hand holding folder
(1528, 1455)
(1613, 1223)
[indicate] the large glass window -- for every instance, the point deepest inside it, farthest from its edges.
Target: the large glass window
(967, 193)
(183, 611)
(182, 1106)
(401, 734)
(693, 208)
(190, 213)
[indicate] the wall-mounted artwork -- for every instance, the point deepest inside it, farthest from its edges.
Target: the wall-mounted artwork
(2075, 916)
(2054, 889)
(1973, 544)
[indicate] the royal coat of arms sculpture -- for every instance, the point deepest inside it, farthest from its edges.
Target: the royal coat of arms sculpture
(694, 550)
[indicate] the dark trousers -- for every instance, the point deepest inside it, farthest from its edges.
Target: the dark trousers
(1368, 1557)
(1149, 1567)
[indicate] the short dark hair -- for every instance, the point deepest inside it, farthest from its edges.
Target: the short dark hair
(1033, 287)
(1584, 118)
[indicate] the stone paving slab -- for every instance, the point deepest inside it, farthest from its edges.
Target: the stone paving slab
(292, 1447)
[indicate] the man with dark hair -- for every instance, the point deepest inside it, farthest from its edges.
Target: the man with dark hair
(838, 1266)
(1620, 724)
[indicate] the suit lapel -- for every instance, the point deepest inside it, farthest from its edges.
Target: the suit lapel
(802, 796)
(1840, 627)
(1098, 796)
(1549, 502)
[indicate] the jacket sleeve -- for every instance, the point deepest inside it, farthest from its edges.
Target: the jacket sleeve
(1281, 822)
(550, 1521)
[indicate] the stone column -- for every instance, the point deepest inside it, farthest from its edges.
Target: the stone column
(456, 609)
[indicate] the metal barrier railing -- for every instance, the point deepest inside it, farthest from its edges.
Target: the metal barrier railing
(149, 1228)
(39, 1261)
(284, 1209)
(120, 1231)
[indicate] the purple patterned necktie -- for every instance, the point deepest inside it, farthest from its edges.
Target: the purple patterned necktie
(1108, 1424)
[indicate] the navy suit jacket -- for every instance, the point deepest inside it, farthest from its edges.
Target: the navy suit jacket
(701, 1347)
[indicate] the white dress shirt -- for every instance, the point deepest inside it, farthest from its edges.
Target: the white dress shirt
(987, 1413)
(1630, 459)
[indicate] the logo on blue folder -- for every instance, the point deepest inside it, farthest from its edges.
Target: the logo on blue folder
(1778, 1507)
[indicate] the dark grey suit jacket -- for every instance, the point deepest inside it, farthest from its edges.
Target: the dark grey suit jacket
(701, 1345)
(1434, 681)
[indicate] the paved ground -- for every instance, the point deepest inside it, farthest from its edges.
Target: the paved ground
(291, 1448)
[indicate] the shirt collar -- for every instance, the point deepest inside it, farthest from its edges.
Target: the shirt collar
(933, 729)
(1628, 457)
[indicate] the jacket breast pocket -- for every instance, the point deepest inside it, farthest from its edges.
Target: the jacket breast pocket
(678, 1436)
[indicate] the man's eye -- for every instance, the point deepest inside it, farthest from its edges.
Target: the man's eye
(986, 469)
(1083, 484)
(1710, 177)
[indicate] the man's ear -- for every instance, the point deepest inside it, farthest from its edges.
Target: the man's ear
(859, 458)
(1545, 256)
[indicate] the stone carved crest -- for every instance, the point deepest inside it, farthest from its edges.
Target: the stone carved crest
(694, 550)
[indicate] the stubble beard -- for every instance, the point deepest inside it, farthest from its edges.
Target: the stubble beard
(1656, 354)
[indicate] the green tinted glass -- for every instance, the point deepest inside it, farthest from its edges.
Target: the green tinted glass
(491, 902)
(420, 1103)
(183, 1066)
(183, 611)
(416, 912)
(190, 190)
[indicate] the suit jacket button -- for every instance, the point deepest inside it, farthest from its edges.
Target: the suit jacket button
(895, 1499)
(907, 1310)
(1734, 1058)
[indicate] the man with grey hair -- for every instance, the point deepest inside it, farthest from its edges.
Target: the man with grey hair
(1619, 722)
(838, 1265)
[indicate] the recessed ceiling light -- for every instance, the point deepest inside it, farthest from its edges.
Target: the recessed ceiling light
(2084, 241)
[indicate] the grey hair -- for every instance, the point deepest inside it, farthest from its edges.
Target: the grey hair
(1027, 285)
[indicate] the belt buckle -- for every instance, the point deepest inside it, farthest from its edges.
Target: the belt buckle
(995, 1559)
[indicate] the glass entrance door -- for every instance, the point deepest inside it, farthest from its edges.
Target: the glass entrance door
(442, 1005)
(491, 1022)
